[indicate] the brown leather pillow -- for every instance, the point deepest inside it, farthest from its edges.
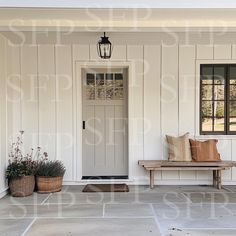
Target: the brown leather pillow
(204, 150)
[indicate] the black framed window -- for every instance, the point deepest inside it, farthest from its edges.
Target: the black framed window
(218, 99)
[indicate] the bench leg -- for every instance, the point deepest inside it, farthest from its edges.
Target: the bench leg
(151, 179)
(214, 178)
(219, 179)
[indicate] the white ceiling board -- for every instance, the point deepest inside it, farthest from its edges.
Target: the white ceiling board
(120, 4)
(134, 20)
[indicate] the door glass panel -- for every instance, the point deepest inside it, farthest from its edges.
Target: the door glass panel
(109, 79)
(219, 92)
(207, 124)
(99, 79)
(207, 92)
(90, 93)
(109, 86)
(119, 93)
(109, 92)
(90, 79)
(100, 93)
(119, 80)
(100, 88)
(90, 86)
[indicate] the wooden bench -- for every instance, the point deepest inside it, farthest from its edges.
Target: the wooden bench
(215, 167)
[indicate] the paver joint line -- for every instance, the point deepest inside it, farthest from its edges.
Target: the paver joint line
(136, 206)
(29, 226)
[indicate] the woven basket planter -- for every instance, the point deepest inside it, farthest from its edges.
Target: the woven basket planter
(48, 184)
(22, 186)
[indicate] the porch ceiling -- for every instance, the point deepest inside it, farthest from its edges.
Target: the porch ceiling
(120, 4)
(118, 20)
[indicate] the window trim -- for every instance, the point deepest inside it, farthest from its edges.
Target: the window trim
(226, 131)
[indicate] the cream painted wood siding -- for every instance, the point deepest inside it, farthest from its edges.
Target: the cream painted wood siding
(3, 115)
(164, 101)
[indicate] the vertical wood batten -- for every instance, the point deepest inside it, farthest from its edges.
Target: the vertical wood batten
(204, 52)
(64, 107)
(135, 55)
(233, 156)
(30, 109)
(222, 51)
(13, 81)
(233, 51)
(152, 113)
(81, 53)
(3, 114)
(187, 96)
(169, 99)
(47, 97)
(29, 85)
(225, 150)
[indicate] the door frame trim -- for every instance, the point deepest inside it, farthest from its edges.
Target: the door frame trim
(79, 66)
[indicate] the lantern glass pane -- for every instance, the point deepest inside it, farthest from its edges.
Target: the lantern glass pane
(105, 50)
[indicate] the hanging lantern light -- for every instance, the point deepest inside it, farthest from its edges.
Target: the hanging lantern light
(104, 47)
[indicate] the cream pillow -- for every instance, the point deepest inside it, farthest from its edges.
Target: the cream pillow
(179, 148)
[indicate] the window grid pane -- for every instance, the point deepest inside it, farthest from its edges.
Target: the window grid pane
(213, 98)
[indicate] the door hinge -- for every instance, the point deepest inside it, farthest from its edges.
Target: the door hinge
(83, 124)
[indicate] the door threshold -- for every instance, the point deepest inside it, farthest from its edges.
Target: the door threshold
(122, 177)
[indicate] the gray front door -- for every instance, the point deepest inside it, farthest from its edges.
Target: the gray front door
(105, 142)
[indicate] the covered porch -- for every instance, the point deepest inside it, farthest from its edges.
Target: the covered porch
(171, 72)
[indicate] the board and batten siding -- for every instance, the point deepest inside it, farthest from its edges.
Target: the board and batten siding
(3, 115)
(164, 101)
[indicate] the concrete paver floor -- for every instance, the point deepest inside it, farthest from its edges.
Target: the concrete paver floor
(165, 210)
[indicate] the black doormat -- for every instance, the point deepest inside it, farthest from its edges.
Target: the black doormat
(92, 188)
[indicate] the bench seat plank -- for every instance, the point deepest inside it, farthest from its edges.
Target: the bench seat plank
(187, 168)
(147, 163)
(216, 167)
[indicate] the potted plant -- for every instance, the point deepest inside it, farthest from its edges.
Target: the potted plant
(49, 175)
(20, 171)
